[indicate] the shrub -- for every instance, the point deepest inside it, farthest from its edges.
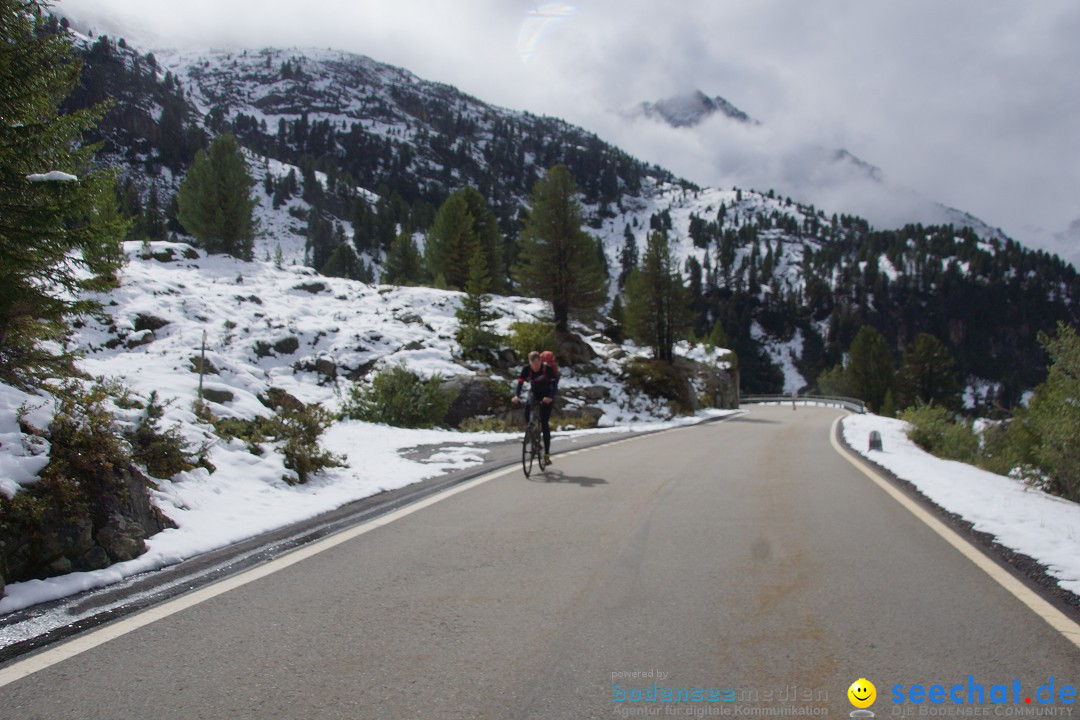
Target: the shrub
(297, 427)
(300, 430)
(569, 422)
(1040, 445)
(86, 443)
(252, 432)
(934, 429)
(400, 398)
(162, 452)
(67, 520)
(526, 337)
(489, 424)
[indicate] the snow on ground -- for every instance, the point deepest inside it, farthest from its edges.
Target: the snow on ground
(1045, 527)
(268, 327)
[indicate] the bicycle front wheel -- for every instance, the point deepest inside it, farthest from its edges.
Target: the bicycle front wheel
(527, 453)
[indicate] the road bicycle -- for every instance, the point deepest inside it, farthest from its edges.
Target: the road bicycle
(532, 444)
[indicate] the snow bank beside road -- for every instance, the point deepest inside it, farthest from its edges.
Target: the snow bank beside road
(1042, 526)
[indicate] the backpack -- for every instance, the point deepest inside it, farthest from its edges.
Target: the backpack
(549, 357)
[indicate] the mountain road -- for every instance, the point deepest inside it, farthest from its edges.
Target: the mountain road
(741, 567)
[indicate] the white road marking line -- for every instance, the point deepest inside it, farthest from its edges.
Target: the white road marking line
(1054, 617)
(92, 639)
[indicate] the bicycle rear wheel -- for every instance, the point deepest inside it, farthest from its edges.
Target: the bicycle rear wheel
(538, 448)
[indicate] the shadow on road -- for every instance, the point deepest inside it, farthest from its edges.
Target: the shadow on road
(748, 419)
(559, 477)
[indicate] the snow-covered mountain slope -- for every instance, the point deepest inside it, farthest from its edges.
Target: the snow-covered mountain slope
(292, 329)
(780, 275)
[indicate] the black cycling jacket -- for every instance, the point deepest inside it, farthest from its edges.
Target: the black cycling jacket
(544, 381)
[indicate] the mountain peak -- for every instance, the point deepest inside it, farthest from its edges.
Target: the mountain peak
(690, 109)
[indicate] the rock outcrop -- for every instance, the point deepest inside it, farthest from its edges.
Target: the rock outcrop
(53, 530)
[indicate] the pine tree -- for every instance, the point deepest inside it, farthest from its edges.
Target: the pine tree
(403, 263)
(344, 263)
(628, 257)
(557, 260)
(1051, 422)
(657, 304)
(488, 238)
(154, 217)
(320, 239)
(60, 234)
(475, 334)
(363, 224)
(926, 374)
(870, 367)
(451, 242)
(463, 225)
(216, 205)
(613, 325)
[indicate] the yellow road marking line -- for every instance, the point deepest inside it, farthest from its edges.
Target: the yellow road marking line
(1054, 617)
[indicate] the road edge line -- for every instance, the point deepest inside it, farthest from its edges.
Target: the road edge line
(1069, 629)
(79, 644)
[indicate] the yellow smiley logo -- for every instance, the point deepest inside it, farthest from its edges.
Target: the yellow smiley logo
(862, 693)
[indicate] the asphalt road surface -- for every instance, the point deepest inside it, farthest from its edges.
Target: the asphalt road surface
(743, 563)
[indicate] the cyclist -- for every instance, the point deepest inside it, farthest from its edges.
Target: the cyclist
(544, 381)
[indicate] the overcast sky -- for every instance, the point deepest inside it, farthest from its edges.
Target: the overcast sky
(971, 103)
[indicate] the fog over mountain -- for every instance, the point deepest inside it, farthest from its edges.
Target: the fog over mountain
(711, 141)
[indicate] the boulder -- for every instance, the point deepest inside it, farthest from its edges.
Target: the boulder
(573, 350)
(287, 345)
(721, 386)
(217, 396)
(121, 538)
(276, 398)
(508, 358)
(475, 397)
(324, 366)
(593, 393)
(327, 367)
(87, 532)
(409, 318)
(60, 542)
(146, 321)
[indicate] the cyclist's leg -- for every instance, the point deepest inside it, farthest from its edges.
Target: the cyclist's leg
(545, 424)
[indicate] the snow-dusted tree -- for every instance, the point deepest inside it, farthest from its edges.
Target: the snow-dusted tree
(216, 204)
(60, 229)
(558, 260)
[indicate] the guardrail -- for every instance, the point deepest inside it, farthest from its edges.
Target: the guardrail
(852, 404)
